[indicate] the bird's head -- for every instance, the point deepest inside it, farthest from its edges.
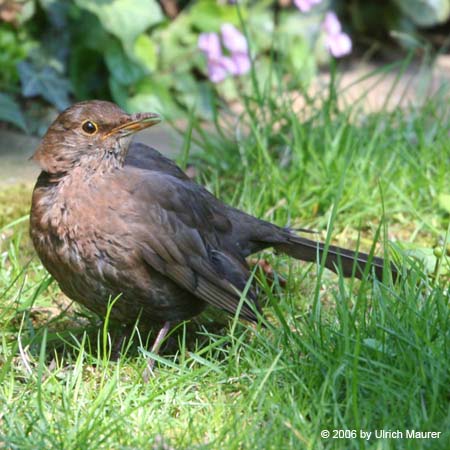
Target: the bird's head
(93, 133)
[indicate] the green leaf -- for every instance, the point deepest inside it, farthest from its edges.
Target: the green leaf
(27, 11)
(148, 95)
(230, 88)
(425, 13)
(45, 82)
(120, 66)
(207, 15)
(87, 73)
(426, 256)
(57, 12)
(125, 19)
(176, 41)
(444, 202)
(301, 60)
(10, 112)
(119, 93)
(151, 95)
(89, 33)
(261, 27)
(145, 52)
(194, 95)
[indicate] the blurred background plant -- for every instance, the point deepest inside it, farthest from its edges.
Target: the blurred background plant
(174, 56)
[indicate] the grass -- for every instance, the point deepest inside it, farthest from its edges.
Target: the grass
(339, 354)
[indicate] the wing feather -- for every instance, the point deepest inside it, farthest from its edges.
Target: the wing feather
(182, 242)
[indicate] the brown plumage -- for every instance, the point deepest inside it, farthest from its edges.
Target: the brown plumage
(111, 218)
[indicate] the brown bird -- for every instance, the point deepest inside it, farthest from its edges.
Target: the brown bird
(110, 218)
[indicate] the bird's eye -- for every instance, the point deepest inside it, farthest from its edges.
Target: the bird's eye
(89, 127)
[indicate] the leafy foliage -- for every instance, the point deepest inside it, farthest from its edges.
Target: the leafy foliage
(45, 82)
(10, 111)
(14, 47)
(143, 57)
(125, 19)
(425, 13)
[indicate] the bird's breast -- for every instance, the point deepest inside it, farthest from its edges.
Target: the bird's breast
(73, 226)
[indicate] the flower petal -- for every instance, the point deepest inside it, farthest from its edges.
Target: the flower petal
(331, 24)
(306, 5)
(339, 44)
(220, 68)
(216, 72)
(209, 44)
(233, 39)
(241, 63)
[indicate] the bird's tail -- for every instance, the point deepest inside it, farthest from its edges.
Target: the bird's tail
(337, 259)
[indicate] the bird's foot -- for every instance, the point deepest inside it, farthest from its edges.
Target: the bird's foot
(148, 372)
(268, 271)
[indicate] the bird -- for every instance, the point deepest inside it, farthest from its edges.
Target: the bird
(111, 218)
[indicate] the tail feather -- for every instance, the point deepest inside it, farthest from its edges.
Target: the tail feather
(337, 259)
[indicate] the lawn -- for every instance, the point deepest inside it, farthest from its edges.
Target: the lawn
(337, 354)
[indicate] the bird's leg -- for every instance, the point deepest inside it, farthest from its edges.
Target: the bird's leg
(118, 340)
(155, 349)
(268, 271)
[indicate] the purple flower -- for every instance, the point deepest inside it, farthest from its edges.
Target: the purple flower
(209, 44)
(241, 63)
(233, 39)
(235, 42)
(306, 5)
(331, 23)
(220, 68)
(338, 43)
(220, 65)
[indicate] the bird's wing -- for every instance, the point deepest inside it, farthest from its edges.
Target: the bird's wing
(249, 234)
(180, 235)
(144, 157)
